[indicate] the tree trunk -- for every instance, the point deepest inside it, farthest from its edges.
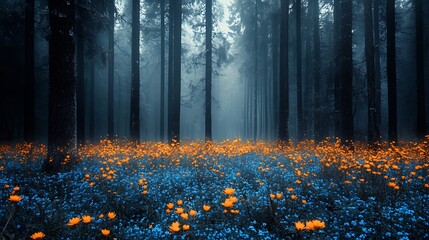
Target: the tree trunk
(170, 69)
(284, 71)
(275, 61)
(377, 68)
(162, 102)
(92, 103)
(135, 73)
(111, 71)
(62, 140)
(174, 87)
(208, 100)
(421, 113)
(373, 129)
(255, 76)
(316, 71)
(80, 78)
(29, 118)
(346, 70)
(298, 70)
(391, 71)
(337, 63)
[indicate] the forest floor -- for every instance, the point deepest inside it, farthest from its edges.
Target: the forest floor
(227, 190)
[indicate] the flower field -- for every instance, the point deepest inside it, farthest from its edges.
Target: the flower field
(221, 190)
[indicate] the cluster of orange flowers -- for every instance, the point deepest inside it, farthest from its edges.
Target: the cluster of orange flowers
(87, 219)
(175, 226)
(229, 202)
(14, 198)
(310, 225)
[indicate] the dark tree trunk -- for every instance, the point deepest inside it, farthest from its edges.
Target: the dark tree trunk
(377, 68)
(80, 78)
(92, 103)
(316, 71)
(162, 102)
(284, 71)
(307, 81)
(337, 63)
(391, 71)
(174, 86)
(255, 75)
(346, 70)
(275, 61)
(62, 140)
(170, 68)
(135, 73)
(298, 70)
(373, 128)
(421, 113)
(208, 100)
(111, 69)
(29, 118)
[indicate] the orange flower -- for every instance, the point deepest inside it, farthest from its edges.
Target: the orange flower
(299, 226)
(233, 199)
(111, 215)
(174, 227)
(179, 210)
(228, 203)
(86, 219)
(293, 197)
(73, 221)
(193, 213)
(279, 195)
(185, 227)
(170, 205)
(235, 211)
(101, 216)
(37, 235)
(16, 189)
(228, 191)
(179, 202)
(272, 196)
(168, 211)
(185, 216)
(318, 224)
(206, 208)
(15, 198)
(105, 232)
(309, 225)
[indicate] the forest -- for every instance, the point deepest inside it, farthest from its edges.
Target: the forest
(214, 119)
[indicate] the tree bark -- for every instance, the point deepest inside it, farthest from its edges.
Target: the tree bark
(80, 78)
(421, 108)
(275, 61)
(284, 71)
(298, 70)
(162, 102)
(391, 71)
(111, 69)
(62, 139)
(174, 87)
(337, 63)
(377, 68)
(92, 102)
(373, 128)
(29, 111)
(135, 73)
(316, 71)
(346, 70)
(208, 100)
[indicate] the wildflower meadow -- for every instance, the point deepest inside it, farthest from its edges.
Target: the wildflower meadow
(218, 190)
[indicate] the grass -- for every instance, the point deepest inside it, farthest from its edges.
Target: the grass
(357, 192)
